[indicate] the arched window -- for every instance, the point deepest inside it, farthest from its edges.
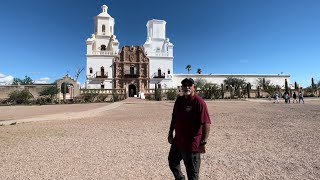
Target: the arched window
(111, 30)
(103, 47)
(159, 72)
(103, 28)
(90, 70)
(168, 71)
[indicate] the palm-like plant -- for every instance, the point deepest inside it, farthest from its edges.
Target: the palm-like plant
(188, 68)
(199, 71)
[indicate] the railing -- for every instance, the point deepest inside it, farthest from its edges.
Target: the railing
(156, 75)
(104, 53)
(130, 74)
(120, 93)
(98, 74)
(103, 91)
(159, 54)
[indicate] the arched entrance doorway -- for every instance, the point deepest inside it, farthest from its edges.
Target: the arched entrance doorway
(132, 90)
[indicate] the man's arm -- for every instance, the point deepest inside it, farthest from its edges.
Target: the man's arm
(170, 135)
(172, 124)
(205, 132)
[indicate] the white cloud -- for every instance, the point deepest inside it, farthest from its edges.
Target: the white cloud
(5, 79)
(44, 80)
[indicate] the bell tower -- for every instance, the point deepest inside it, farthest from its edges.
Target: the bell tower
(102, 48)
(159, 50)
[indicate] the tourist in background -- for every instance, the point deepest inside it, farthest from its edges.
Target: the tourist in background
(294, 96)
(276, 97)
(301, 97)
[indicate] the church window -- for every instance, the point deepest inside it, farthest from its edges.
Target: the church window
(111, 30)
(102, 85)
(168, 71)
(102, 71)
(103, 47)
(159, 72)
(131, 69)
(90, 70)
(103, 28)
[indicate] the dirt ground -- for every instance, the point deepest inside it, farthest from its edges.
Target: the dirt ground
(248, 140)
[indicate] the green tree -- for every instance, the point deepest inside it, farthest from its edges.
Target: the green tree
(188, 68)
(235, 83)
(262, 82)
(50, 92)
(271, 89)
(286, 85)
(16, 81)
(26, 81)
(199, 71)
(212, 91)
(199, 83)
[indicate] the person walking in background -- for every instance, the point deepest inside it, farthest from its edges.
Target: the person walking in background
(301, 97)
(294, 96)
(191, 124)
(285, 97)
(276, 97)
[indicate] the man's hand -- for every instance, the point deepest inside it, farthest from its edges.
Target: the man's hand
(202, 149)
(170, 138)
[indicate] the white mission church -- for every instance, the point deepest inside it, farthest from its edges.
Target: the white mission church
(138, 68)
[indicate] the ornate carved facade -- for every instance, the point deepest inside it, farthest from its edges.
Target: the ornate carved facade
(131, 70)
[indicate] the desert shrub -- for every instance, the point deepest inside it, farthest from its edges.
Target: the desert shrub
(48, 94)
(89, 97)
(20, 97)
(149, 97)
(101, 98)
(171, 94)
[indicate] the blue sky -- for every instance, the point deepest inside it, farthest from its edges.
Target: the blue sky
(46, 39)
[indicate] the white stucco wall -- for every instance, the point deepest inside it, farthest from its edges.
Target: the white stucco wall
(219, 78)
(96, 84)
(95, 62)
(163, 63)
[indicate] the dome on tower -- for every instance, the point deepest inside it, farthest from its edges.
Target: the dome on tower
(104, 12)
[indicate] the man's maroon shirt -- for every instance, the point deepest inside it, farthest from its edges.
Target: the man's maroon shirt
(189, 117)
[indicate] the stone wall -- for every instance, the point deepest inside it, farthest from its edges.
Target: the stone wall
(34, 89)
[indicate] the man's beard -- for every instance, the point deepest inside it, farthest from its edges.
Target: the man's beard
(187, 93)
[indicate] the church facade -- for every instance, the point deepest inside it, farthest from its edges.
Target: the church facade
(138, 68)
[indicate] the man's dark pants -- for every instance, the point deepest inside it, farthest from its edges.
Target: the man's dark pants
(191, 161)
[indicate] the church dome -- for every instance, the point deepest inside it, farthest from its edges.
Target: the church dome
(104, 12)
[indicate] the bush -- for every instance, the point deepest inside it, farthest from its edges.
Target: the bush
(149, 97)
(115, 97)
(89, 97)
(20, 97)
(101, 98)
(172, 94)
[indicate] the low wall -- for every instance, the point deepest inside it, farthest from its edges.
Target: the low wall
(34, 89)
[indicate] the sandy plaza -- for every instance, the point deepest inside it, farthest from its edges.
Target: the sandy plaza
(253, 139)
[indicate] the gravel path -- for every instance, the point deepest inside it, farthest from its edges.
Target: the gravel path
(248, 140)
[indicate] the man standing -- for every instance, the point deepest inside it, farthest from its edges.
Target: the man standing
(191, 124)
